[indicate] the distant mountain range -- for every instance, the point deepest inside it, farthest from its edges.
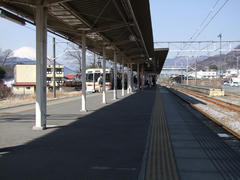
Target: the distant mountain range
(12, 61)
(182, 61)
(226, 61)
(24, 55)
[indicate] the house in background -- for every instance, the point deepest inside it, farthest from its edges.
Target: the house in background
(59, 75)
(231, 73)
(25, 78)
(204, 74)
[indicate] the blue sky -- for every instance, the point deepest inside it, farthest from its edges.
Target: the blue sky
(172, 20)
(177, 20)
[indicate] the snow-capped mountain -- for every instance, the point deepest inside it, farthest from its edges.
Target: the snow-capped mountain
(24, 52)
(17, 60)
(25, 55)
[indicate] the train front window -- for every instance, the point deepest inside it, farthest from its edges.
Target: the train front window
(89, 77)
(107, 77)
(97, 76)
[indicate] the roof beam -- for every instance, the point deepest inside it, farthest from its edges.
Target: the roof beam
(133, 50)
(110, 27)
(120, 43)
(124, 19)
(35, 2)
(134, 18)
(137, 56)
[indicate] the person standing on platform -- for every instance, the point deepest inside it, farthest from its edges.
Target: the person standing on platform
(100, 83)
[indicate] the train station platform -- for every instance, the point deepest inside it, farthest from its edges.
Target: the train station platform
(146, 135)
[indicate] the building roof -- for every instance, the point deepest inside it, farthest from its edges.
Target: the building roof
(125, 25)
(70, 76)
(24, 84)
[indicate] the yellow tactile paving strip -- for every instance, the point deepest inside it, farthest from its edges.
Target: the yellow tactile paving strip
(161, 162)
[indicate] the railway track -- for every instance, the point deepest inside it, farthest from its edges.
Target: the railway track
(223, 104)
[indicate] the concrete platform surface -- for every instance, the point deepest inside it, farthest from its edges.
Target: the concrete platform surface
(151, 135)
(107, 142)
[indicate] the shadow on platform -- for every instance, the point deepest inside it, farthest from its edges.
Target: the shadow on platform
(106, 144)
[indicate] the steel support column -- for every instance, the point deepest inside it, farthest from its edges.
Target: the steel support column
(138, 77)
(54, 68)
(41, 67)
(104, 77)
(131, 79)
(128, 78)
(123, 79)
(83, 71)
(142, 86)
(115, 76)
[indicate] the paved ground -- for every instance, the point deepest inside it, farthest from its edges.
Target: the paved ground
(108, 142)
(199, 152)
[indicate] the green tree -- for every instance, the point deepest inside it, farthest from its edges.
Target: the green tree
(91, 66)
(213, 66)
(2, 72)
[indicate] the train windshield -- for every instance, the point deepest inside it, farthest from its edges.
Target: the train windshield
(89, 77)
(108, 77)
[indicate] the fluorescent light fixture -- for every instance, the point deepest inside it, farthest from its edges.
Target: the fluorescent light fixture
(132, 38)
(109, 47)
(11, 17)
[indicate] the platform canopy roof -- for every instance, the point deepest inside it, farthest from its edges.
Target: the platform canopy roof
(160, 55)
(156, 64)
(121, 24)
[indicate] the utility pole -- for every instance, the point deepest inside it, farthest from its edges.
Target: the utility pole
(196, 72)
(181, 74)
(220, 50)
(237, 67)
(54, 71)
(187, 68)
(94, 64)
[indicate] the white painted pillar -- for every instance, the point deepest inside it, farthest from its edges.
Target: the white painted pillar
(123, 78)
(104, 77)
(142, 75)
(83, 73)
(128, 79)
(138, 81)
(115, 75)
(41, 67)
(150, 80)
(131, 79)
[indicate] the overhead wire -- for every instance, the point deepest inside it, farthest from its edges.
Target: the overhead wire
(210, 12)
(203, 22)
(211, 19)
(205, 19)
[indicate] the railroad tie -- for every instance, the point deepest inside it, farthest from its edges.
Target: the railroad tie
(161, 162)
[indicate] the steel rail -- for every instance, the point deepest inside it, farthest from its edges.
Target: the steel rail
(214, 101)
(221, 101)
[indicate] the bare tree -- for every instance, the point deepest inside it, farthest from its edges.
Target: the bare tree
(75, 54)
(4, 55)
